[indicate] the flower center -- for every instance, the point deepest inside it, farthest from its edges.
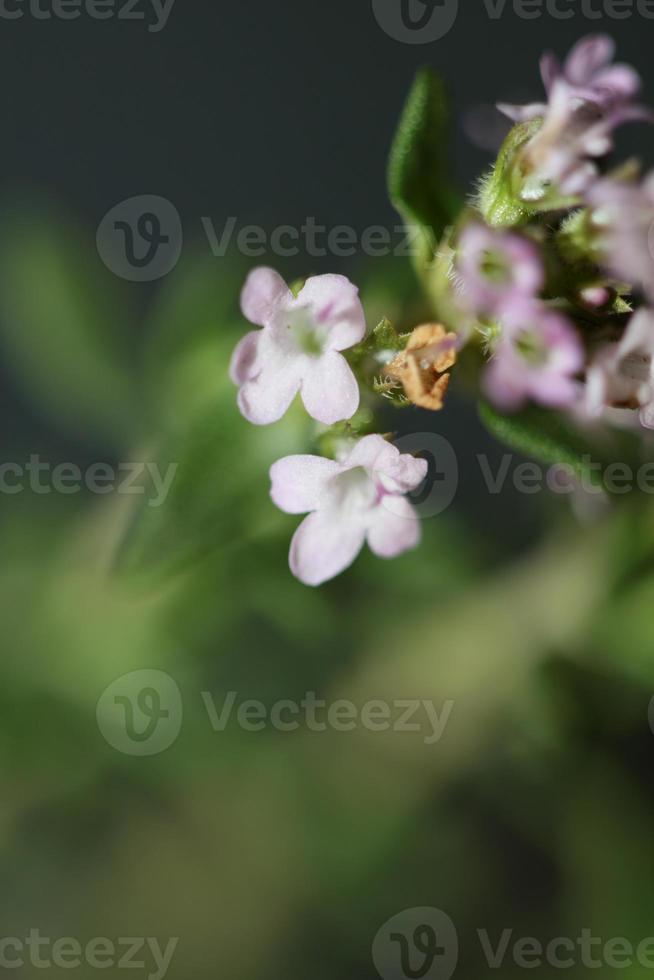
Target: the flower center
(307, 336)
(494, 268)
(357, 489)
(531, 347)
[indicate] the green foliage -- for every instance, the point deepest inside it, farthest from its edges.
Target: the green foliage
(191, 326)
(538, 786)
(65, 333)
(544, 435)
(417, 171)
(498, 197)
(219, 496)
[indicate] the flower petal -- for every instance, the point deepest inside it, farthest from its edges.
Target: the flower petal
(242, 367)
(394, 528)
(550, 69)
(264, 292)
(268, 397)
(621, 80)
(336, 305)
(554, 390)
(366, 452)
(587, 57)
(301, 483)
(329, 389)
(403, 474)
(324, 545)
(504, 389)
(522, 113)
(639, 335)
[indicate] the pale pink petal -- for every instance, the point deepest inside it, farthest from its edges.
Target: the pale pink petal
(639, 335)
(263, 294)
(554, 390)
(336, 305)
(243, 365)
(402, 474)
(329, 389)
(266, 399)
(370, 452)
(522, 113)
(503, 388)
(550, 70)
(596, 390)
(394, 528)
(588, 57)
(302, 483)
(324, 545)
(647, 416)
(622, 80)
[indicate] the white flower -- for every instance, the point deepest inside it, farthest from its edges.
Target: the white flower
(298, 348)
(358, 499)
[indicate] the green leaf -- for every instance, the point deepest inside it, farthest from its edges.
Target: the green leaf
(187, 349)
(417, 167)
(545, 436)
(64, 335)
(220, 493)
(502, 198)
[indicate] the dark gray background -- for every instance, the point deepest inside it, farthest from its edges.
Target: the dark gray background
(269, 111)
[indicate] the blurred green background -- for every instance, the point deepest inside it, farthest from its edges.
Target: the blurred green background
(276, 854)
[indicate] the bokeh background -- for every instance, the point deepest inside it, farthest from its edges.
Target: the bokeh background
(277, 854)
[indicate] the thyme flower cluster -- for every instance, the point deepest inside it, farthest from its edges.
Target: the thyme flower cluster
(546, 277)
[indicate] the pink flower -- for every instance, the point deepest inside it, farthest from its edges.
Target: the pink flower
(536, 357)
(587, 75)
(497, 268)
(587, 100)
(623, 218)
(573, 135)
(359, 498)
(622, 374)
(298, 348)
(589, 72)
